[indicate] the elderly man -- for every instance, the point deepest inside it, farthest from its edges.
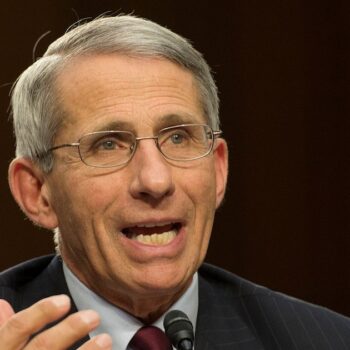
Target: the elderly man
(119, 152)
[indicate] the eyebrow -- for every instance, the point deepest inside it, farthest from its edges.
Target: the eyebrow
(115, 126)
(175, 119)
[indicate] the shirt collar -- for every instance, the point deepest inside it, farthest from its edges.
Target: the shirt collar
(118, 323)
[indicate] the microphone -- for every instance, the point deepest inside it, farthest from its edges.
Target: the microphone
(179, 330)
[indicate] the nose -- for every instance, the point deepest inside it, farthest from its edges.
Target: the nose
(152, 175)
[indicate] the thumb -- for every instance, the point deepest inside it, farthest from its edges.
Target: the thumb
(6, 311)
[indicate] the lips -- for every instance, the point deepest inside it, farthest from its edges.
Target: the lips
(152, 234)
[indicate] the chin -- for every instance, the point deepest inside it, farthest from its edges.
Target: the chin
(164, 279)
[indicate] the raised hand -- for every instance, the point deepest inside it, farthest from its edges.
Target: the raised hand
(16, 329)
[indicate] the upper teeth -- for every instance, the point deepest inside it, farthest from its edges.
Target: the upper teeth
(153, 225)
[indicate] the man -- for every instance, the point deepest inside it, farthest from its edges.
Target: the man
(119, 153)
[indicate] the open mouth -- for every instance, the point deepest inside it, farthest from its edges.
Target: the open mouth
(153, 234)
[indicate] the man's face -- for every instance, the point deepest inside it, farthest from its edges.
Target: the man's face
(98, 210)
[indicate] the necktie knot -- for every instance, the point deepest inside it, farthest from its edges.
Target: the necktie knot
(150, 338)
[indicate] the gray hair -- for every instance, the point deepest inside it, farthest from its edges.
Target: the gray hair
(35, 101)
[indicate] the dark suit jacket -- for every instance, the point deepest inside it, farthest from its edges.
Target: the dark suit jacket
(233, 313)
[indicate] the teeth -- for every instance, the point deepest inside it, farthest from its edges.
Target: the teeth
(154, 225)
(155, 238)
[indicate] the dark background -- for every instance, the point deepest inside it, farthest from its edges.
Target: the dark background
(282, 68)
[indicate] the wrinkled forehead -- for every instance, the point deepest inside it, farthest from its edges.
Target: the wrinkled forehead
(102, 89)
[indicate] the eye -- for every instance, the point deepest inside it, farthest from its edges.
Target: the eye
(108, 145)
(105, 143)
(172, 138)
(177, 138)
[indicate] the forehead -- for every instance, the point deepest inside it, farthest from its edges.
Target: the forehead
(141, 92)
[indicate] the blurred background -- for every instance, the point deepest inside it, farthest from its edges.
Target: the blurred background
(282, 68)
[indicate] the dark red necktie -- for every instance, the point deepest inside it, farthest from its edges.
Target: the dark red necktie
(150, 338)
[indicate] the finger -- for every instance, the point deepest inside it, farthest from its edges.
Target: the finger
(15, 332)
(67, 332)
(6, 311)
(100, 342)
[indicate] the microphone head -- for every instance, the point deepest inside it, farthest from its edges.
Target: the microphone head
(179, 329)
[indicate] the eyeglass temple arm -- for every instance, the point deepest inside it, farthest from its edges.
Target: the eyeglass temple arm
(44, 154)
(216, 134)
(76, 144)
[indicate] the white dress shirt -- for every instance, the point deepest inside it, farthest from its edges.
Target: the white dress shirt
(120, 325)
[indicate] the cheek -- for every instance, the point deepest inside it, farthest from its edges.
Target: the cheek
(92, 194)
(201, 187)
(80, 208)
(75, 203)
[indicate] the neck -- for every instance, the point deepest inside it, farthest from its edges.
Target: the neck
(147, 307)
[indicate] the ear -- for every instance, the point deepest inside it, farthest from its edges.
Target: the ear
(29, 188)
(221, 169)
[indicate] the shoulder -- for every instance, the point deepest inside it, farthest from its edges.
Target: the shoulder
(275, 317)
(20, 274)
(32, 280)
(223, 281)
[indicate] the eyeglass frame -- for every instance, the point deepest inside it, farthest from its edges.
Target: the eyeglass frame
(214, 135)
